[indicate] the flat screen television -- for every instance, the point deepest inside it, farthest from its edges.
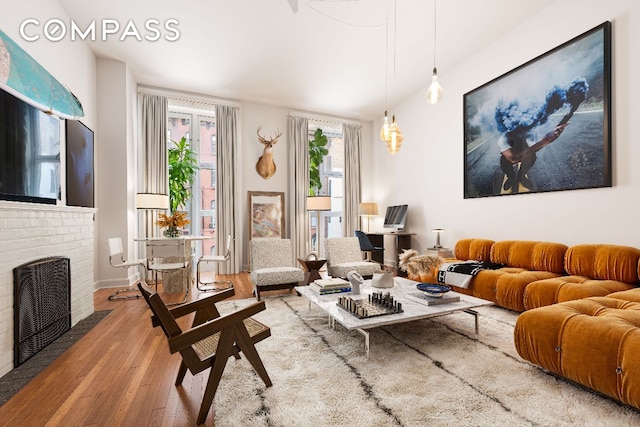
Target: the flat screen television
(395, 217)
(29, 152)
(80, 187)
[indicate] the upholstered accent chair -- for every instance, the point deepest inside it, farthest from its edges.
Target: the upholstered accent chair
(344, 255)
(271, 265)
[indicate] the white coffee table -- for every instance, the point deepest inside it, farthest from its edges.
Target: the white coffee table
(412, 310)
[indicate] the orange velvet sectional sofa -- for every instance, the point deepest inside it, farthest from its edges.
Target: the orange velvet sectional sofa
(537, 274)
(581, 308)
(525, 262)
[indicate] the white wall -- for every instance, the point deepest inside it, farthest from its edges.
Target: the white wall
(427, 173)
(116, 177)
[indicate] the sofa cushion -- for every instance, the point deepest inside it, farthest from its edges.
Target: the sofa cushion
(606, 262)
(630, 295)
(473, 249)
(530, 255)
(511, 287)
(593, 341)
(568, 288)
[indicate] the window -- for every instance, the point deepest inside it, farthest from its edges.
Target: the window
(212, 216)
(331, 176)
(202, 208)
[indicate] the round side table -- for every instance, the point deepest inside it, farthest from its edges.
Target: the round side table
(312, 266)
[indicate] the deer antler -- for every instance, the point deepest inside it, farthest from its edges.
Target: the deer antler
(269, 141)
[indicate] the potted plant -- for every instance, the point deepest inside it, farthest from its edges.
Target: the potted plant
(317, 151)
(183, 165)
(173, 223)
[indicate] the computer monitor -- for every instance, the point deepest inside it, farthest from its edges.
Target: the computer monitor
(395, 217)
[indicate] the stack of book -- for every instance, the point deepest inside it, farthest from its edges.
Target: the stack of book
(330, 286)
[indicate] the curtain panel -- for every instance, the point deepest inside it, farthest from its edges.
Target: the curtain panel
(226, 221)
(153, 160)
(298, 143)
(352, 144)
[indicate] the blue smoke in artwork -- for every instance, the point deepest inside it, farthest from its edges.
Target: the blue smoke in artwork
(511, 116)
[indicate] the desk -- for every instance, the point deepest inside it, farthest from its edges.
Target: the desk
(402, 242)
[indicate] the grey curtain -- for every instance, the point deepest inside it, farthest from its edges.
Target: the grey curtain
(298, 146)
(226, 172)
(352, 142)
(153, 154)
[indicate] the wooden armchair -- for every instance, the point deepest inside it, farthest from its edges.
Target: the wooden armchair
(211, 340)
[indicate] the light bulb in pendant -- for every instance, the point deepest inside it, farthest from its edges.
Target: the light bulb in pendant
(395, 137)
(384, 132)
(435, 91)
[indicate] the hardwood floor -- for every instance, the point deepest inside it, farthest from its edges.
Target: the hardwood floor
(119, 374)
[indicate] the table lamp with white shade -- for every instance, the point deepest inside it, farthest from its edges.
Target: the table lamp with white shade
(368, 209)
(151, 202)
(318, 204)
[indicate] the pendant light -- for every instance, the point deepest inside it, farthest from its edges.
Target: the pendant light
(390, 133)
(435, 91)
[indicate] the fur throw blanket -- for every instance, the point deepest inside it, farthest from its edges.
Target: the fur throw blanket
(419, 267)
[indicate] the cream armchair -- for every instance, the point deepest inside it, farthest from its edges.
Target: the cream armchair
(344, 255)
(271, 268)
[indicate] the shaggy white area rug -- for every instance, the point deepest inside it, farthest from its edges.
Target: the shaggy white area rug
(434, 372)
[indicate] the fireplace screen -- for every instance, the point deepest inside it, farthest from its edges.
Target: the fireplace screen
(41, 305)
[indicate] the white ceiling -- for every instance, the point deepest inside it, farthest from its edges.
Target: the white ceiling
(327, 58)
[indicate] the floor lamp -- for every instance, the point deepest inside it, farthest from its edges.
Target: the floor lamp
(318, 204)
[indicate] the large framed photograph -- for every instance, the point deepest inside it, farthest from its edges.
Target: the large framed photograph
(266, 215)
(544, 126)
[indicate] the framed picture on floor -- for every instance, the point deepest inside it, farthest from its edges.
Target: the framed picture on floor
(266, 215)
(544, 126)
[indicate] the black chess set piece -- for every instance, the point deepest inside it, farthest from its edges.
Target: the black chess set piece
(378, 304)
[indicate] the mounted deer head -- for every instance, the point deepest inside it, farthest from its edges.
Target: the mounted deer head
(265, 166)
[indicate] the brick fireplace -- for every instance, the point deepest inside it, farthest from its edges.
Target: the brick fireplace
(29, 232)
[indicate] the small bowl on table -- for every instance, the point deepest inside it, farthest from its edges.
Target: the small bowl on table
(433, 290)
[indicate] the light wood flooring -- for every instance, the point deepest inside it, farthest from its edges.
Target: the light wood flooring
(119, 374)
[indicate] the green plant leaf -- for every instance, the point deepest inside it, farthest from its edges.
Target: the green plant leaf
(183, 164)
(317, 152)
